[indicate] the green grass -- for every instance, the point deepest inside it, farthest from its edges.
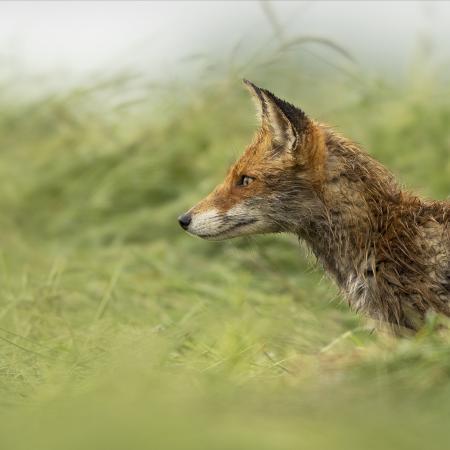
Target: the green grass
(117, 330)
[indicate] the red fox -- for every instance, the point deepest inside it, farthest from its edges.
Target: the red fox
(387, 249)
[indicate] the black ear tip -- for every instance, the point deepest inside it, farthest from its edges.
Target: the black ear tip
(248, 83)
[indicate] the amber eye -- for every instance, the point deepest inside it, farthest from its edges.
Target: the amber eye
(244, 180)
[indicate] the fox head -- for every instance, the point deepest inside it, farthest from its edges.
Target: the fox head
(274, 186)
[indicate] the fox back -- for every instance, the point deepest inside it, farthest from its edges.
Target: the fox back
(387, 249)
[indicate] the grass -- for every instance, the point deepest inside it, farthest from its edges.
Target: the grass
(117, 330)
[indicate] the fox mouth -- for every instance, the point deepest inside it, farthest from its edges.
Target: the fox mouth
(225, 233)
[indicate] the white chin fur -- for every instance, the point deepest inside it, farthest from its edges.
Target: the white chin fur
(241, 230)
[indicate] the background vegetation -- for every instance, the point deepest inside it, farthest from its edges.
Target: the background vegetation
(118, 330)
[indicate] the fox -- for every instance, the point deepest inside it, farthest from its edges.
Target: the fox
(387, 249)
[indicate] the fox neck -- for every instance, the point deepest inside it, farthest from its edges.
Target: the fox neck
(344, 253)
(356, 195)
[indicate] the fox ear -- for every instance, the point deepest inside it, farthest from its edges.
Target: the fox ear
(284, 121)
(257, 97)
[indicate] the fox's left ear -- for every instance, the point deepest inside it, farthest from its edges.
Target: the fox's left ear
(284, 121)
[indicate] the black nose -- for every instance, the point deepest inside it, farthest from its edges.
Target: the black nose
(184, 220)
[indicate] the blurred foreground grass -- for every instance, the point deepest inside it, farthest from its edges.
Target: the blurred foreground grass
(117, 330)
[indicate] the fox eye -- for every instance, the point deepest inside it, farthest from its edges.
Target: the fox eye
(244, 180)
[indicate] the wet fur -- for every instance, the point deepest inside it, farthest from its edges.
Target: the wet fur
(388, 250)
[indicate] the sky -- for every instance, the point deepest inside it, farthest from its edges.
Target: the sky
(82, 37)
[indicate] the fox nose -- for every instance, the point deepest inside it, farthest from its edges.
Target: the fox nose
(184, 220)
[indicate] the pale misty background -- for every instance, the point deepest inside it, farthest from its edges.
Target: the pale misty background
(76, 39)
